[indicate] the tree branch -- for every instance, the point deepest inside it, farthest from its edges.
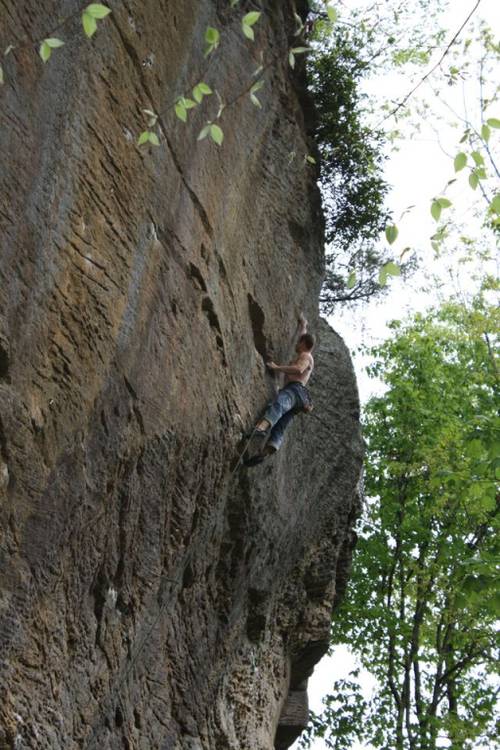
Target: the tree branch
(434, 67)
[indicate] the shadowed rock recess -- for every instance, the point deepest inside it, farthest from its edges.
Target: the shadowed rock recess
(152, 595)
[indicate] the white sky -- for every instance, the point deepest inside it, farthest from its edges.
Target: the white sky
(418, 172)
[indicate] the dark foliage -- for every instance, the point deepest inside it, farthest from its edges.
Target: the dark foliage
(352, 179)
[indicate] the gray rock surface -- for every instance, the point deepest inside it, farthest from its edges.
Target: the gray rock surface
(152, 593)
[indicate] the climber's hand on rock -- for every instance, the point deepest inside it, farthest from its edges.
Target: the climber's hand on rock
(302, 322)
(272, 365)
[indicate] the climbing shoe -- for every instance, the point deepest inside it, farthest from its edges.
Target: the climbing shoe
(254, 460)
(255, 433)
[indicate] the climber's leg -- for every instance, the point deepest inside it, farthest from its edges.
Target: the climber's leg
(274, 442)
(284, 402)
(278, 432)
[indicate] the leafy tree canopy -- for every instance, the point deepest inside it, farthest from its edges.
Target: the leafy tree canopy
(423, 606)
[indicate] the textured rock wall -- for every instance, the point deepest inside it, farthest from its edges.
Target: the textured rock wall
(152, 595)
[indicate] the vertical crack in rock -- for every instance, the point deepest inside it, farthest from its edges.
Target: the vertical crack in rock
(4, 359)
(208, 308)
(257, 319)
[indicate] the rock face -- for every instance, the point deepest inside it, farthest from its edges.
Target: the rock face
(154, 594)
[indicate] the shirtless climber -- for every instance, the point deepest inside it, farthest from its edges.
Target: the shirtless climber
(291, 399)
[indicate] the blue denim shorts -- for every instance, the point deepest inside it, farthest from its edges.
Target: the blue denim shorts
(303, 396)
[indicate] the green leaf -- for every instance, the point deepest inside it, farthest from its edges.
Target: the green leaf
(291, 59)
(460, 161)
(351, 280)
(143, 138)
(444, 202)
(298, 21)
(255, 101)
(485, 133)
(53, 42)
(332, 13)
(493, 122)
(473, 179)
(153, 138)
(188, 103)
(251, 18)
(201, 90)
(382, 277)
(181, 111)
(300, 50)
(96, 10)
(8, 50)
(248, 31)
(495, 204)
(392, 269)
(89, 24)
(45, 51)
(48, 45)
(391, 233)
(311, 159)
(257, 86)
(435, 210)
(477, 158)
(212, 36)
(216, 134)
(1, 75)
(204, 132)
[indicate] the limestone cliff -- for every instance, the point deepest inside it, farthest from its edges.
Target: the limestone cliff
(152, 593)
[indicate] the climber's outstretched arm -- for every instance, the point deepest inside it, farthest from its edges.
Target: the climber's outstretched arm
(302, 326)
